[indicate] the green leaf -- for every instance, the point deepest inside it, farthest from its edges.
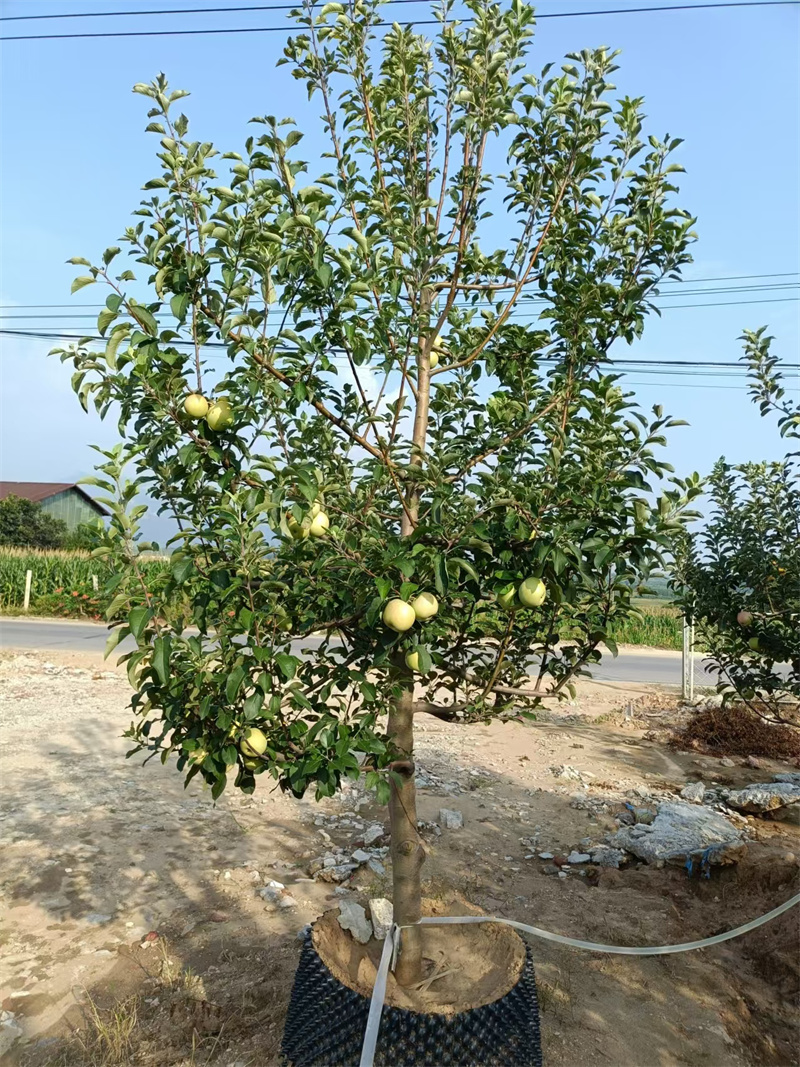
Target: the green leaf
(287, 665)
(234, 682)
(138, 619)
(178, 305)
(440, 575)
(246, 619)
(81, 281)
(253, 705)
(230, 754)
(161, 651)
(467, 568)
(104, 320)
(181, 570)
(114, 638)
(145, 319)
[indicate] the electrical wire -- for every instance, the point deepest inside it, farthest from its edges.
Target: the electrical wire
(412, 22)
(679, 282)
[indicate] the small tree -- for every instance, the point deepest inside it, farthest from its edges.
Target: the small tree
(26, 524)
(358, 338)
(741, 572)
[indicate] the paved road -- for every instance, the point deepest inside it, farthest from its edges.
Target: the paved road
(44, 635)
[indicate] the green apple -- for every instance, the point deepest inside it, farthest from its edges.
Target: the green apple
(196, 406)
(252, 764)
(254, 743)
(745, 618)
(412, 660)
(399, 616)
(220, 415)
(298, 531)
(319, 525)
(754, 644)
(315, 510)
(434, 360)
(438, 343)
(532, 592)
(507, 597)
(425, 606)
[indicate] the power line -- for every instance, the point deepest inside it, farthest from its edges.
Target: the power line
(687, 281)
(412, 22)
(700, 368)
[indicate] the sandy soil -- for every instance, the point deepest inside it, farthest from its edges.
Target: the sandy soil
(100, 854)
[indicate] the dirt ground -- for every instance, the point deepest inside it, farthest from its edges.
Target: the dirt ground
(132, 931)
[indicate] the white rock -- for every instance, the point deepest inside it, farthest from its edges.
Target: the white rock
(682, 830)
(450, 819)
(352, 917)
(546, 855)
(373, 833)
(694, 791)
(382, 915)
(773, 796)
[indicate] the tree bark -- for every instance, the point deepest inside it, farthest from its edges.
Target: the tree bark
(407, 851)
(408, 854)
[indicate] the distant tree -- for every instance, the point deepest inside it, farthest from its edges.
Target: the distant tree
(86, 536)
(741, 573)
(27, 524)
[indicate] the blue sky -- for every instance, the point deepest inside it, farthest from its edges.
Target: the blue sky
(74, 156)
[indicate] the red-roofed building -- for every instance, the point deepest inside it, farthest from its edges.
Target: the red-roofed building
(62, 500)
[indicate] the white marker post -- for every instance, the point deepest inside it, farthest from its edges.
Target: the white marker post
(687, 663)
(26, 603)
(95, 583)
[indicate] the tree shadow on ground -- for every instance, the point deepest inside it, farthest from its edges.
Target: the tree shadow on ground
(101, 843)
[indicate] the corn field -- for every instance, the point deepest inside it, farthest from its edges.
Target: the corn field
(52, 572)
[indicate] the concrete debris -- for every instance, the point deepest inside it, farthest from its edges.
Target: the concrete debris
(382, 914)
(572, 774)
(603, 856)
(352, 917)
(768, 797)
(694, 791)
(338, 873)
(450, 819)
(681, 832)
(10, 1031)
(372, 834)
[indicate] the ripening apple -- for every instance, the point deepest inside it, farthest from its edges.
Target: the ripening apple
(532, 592)
(220, 415)
(745, 618)
(196, 406)
(399, 616)
(507, 597)
(754, 643)
(254, 742)
(425, 606)
(319, 525)
(296, 529)
(412, 660)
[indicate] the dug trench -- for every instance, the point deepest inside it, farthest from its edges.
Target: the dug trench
(136, 927)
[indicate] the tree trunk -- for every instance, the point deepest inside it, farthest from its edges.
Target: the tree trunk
(407, 851)
(408, 854)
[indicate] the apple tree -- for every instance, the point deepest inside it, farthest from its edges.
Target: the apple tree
(741, 572)
(377, 402)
